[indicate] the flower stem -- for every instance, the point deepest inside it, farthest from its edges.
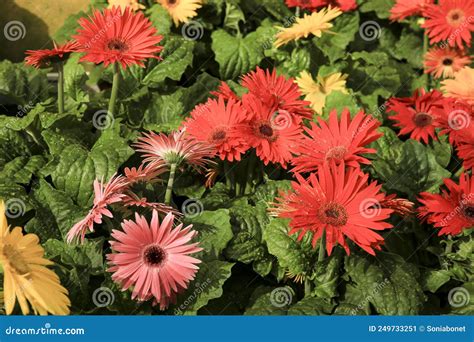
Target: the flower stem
(60, 87)
(115, 88)
(169, 187)
(250, 174)
(426, 45)
(308, 288)
(322, 249)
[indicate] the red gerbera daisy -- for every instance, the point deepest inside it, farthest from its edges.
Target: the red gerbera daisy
(216, 124)
(277, 92)
(344, 5)
(406, 8)
(450, 21)
(337, 140)
(416, 115)
(453, 209)
(273, 135)
(113, 36)
(46, 57)
(340, 202)
(304, 4)
(455, 117)
(465, 148)
(153, 258)
(225, 92)
(444, 62)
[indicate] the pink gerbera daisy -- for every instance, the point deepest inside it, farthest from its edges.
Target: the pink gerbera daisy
(337, 140)
(339, 202)
(445, 62)
(277, 92)
(175, 148)
(216, 124)
(455, 118)
(116, 36)
(416, 115)
(453, 209)
(273, 135)
(153, 258)
(104, 195)
(450, 21)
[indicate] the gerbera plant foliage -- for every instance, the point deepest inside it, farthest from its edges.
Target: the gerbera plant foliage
(192, 157)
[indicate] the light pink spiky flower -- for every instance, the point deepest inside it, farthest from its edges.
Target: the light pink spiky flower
(153, 257)
(174, 148)
(104, 195)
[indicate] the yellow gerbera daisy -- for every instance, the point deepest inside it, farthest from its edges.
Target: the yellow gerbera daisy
(25, 275)
(316, 92)
(315, 24)
(181, 10)
(462, 86)
(133, 4)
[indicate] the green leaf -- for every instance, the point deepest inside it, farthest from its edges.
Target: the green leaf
(296, 257)
(408, 167)
(235, 55)
(21, 169)
(268, 301)
(214, 230)
(434, 279)
(164, 113)
(75, 79)
(311, 306)
(334, 45)
(389, 283)
(326, 276)
(177, 56)
(380, 7)
(233, 16)
(58, 205)
(247, 244)
(77, 168)
(339, 101)
(267, 192)
(12, 145)
(160, 18)
(206, 286)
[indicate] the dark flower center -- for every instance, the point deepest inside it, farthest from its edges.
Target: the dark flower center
(333, 213)
(154, 255)
(16, 259)
(218, 135)
(455, 17)
(468, 211)
(447, 61)
(117, 45)
(265, 130)
(172, 2)
(422, 119)
(336, 153)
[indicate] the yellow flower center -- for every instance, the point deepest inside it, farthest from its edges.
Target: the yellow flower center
(15, 259)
